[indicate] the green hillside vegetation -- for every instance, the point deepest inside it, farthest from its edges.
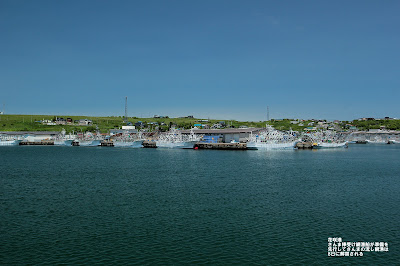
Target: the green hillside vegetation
(376, 124)
(104, 124)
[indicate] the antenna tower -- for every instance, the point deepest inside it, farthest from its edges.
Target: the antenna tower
(126, 109)
(267, 113)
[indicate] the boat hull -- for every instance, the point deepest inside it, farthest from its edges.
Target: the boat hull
(330, 145)
(9, 142)
(130, 144)
(271, 146)
(63, 142)
(89, 143)
(176, 145)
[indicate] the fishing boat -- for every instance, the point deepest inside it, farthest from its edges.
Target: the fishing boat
(9, 141)
(324, 145)
(63, 139)
(175, 139)
(126, 139)
(270, 138)
(89, 139)
(130, 144)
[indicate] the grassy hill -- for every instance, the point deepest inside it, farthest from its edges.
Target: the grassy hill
(104, 124)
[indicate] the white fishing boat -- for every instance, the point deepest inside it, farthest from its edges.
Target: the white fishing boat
(9, 141)
(90, 143)
(175, 139)
(130, 144)
(271, 138)
(132, 140)
(323, 145)
(63, 139)
(270, 145)
(191, 139)
(89, 139)
(63, 142)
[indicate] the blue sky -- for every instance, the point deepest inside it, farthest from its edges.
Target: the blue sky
(217, 59)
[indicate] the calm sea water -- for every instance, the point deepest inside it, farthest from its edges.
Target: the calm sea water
(152, 206)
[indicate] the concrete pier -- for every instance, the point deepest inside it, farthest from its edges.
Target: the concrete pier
(304, 145)
(221, 146)
(43, 142)
(106, 143)
(149, 144)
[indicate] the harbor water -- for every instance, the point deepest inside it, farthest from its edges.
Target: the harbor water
(86, 205)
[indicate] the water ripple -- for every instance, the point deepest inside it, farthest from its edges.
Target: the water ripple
(61, 205)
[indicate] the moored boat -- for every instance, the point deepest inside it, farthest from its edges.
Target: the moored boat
(63, 139)
(175, 139)
(271, 146)
(130, 144)
(9, 142)
(324, 145)
(271, 138)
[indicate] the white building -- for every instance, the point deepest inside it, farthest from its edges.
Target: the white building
(85, 122)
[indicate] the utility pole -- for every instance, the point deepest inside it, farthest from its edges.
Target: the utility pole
(267, 113)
